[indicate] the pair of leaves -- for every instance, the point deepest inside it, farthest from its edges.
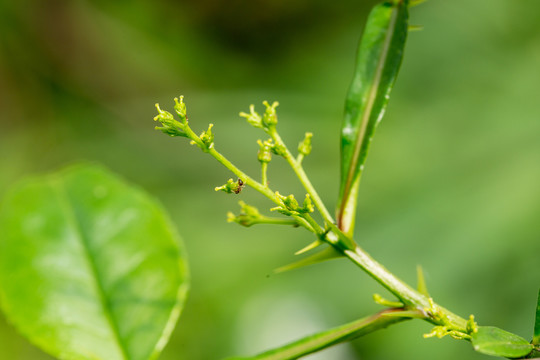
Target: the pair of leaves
(90, 268)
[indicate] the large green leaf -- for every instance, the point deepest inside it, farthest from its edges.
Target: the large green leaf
(377, 65)
(494, 341)
(90, 267)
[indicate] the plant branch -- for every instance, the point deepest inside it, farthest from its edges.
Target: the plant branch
(409, 296)
(447, 323)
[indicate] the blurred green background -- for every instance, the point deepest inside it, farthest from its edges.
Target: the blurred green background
(452, 182)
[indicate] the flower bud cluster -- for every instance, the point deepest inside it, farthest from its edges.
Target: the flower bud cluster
(289, 205)
(170, 126)
(268, 120)
(267, 148)
(249, 215)
(207, 137)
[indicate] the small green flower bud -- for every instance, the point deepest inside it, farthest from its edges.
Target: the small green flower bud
(437, 331)
(231, 217)
(249, 210)
(279, 150)
(163, 115)
(276, 149)
(307, 207)
(265, 151)
(170, 126)
(207, 137)
(283, 211)
(291, 203)
(180, 108)
(231, 186)
(253, 117)
(249, 215)
(304, 147)
(270, 115)
(472, 326)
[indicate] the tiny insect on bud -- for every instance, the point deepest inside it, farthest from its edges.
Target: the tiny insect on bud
(240, 186)
(232, 186)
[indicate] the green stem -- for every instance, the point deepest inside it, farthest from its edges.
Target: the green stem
(301, 174)
(304, 223)
(305, 220)
(409, 296)
(264, 177)
(248, 180)
(277, 221)
(316, 227)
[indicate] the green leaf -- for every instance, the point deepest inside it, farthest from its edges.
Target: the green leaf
(90, 267)
(494, 341)
(327, 338)
(536, 335)
(377, 65)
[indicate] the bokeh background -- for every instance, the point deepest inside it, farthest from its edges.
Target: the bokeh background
(452, 181)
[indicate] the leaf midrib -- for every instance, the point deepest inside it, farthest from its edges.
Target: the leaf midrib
(367, 113)
(71, 218)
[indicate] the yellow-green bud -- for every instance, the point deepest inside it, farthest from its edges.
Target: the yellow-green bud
(180, 108)
(265, 151)
(270, 115)
(207, 137)
(170, 126)
(307, 207)
(304, 147)
(279, 149)
(248, 216)
(253, 117)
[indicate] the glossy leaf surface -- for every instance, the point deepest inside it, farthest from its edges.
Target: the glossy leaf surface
(377, 65)
(90, 268)
(494, 341)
